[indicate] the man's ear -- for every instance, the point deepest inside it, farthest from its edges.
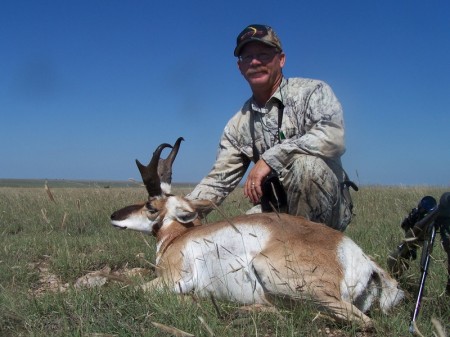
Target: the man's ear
(239, 67)
(282, 59)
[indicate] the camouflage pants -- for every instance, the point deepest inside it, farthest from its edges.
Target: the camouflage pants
(314, 192)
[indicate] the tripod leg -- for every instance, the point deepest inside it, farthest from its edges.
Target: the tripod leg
(445, 236)
(424, 265)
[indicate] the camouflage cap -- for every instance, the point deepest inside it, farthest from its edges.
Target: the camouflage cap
(260, 33)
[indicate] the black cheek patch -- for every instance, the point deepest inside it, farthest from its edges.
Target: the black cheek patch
(125, 212)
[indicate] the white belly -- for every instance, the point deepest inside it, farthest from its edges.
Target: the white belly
(221, 264)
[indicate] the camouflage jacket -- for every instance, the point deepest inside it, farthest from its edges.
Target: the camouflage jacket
(312, 124)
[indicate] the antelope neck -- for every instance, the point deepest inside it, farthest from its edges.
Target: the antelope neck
(167, 240)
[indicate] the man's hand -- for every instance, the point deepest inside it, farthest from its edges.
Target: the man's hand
(252, 187)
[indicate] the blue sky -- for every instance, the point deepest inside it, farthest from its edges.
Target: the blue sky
(86, 87)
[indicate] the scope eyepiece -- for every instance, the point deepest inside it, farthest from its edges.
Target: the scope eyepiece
(426, 205)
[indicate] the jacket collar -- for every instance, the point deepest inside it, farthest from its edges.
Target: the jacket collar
(279, 96)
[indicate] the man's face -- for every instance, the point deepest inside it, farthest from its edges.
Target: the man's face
(260, 65)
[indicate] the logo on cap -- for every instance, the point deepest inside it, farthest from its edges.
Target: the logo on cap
(261, 33)
(253, 31)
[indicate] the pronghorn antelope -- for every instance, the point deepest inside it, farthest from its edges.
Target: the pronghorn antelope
(266, 258)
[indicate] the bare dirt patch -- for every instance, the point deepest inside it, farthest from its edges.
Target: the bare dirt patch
(50, 282)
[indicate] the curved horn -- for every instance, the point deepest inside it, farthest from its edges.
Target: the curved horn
(165, 165)
(174, 152)
(149, 173)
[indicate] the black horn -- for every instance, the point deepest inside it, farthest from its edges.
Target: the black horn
(149, 173)
(165, 165)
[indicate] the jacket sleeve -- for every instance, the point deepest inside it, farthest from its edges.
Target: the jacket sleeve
(323, 131)
(227, 172)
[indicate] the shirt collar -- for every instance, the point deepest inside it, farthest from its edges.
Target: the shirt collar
(278, 96)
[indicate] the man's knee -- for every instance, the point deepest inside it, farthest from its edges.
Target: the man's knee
(309, 170)
(312, 189)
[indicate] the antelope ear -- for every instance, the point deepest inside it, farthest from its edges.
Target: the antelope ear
(184, 216)
(203, 206)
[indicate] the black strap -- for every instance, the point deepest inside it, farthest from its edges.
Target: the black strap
(280, 133)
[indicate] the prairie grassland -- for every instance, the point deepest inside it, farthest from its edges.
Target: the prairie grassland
(65, 271)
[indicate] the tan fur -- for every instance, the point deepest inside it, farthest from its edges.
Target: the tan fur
(297, 260)
(260, 259)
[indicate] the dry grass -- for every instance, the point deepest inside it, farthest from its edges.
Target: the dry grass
(64, 271)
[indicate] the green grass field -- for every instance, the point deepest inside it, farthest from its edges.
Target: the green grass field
(65, 271)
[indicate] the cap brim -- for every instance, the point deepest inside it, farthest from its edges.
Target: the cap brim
(237, 50)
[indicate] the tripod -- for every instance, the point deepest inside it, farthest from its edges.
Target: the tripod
(421, 227)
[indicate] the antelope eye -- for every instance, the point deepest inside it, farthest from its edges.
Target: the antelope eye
(150, 208)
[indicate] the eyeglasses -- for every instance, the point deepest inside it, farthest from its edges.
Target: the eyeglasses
(262, 57)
